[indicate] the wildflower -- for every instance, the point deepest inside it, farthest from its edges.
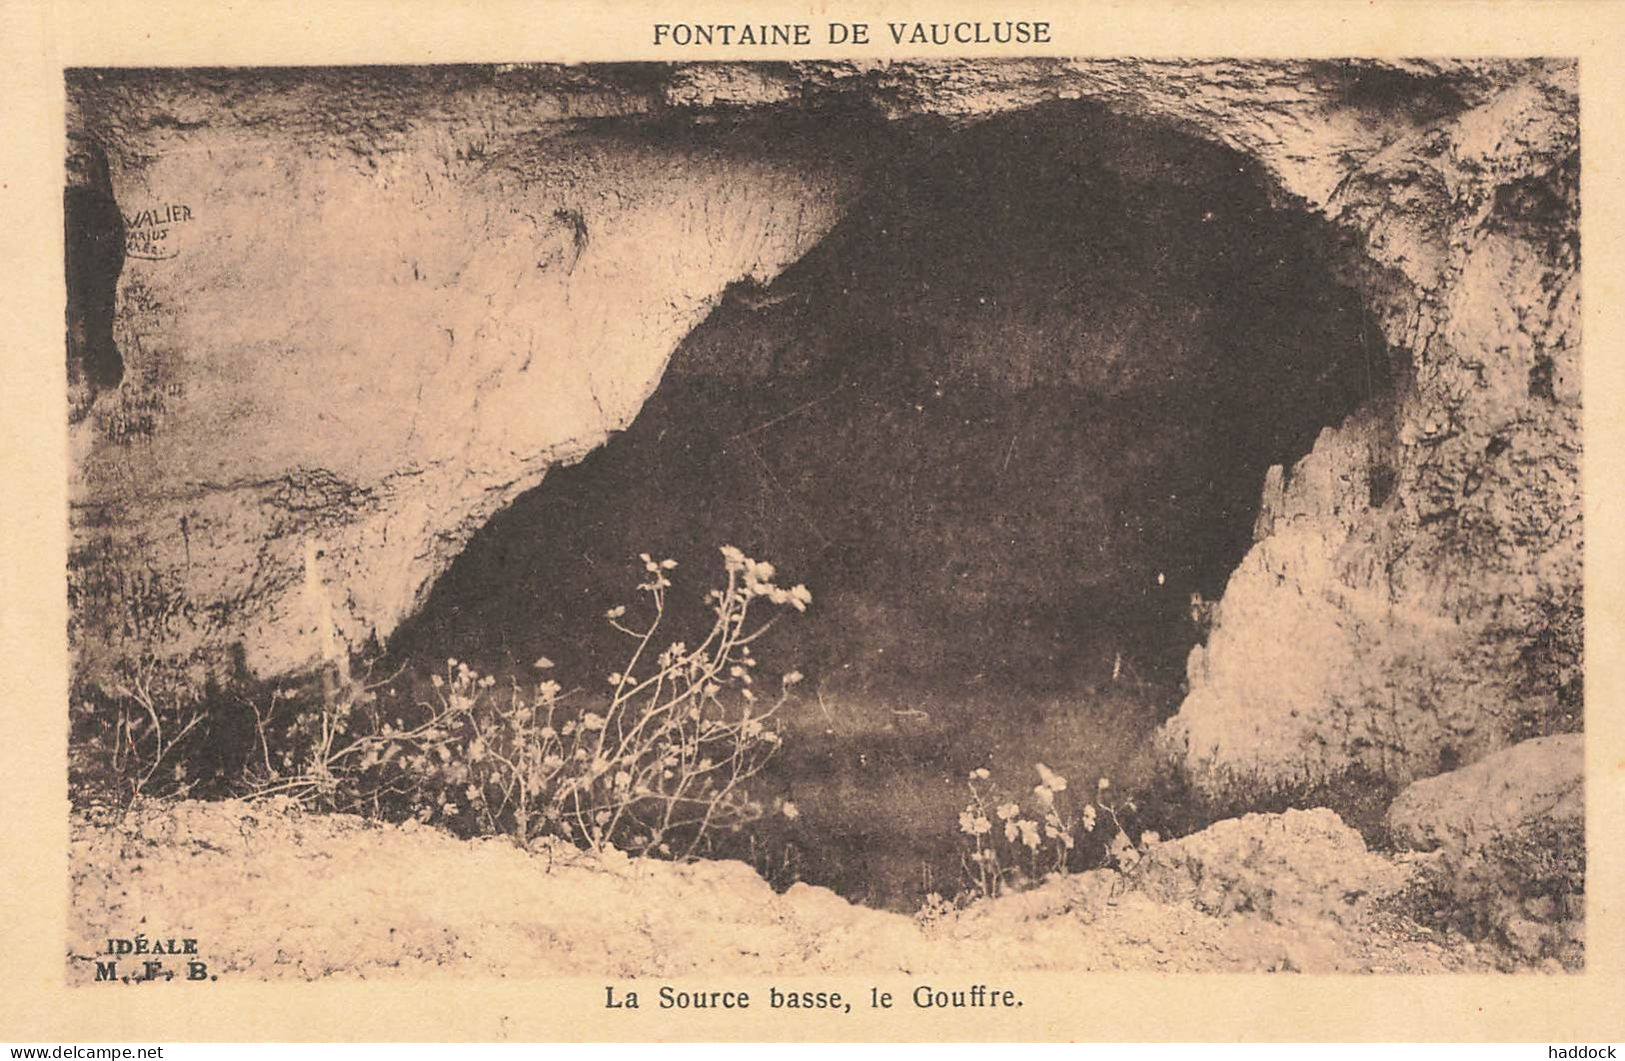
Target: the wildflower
(1103, 784)
(616, 612)
(1045, 794)
(1052, 780)
(974, 824)
(800, 597)
(548, 733)
(542, 663)
(623, 779)
(668, 564)
(733, 558)
(591, 721)
(616, 678)
(548, 690)
(790, 810)
(793, 678)
(1089, 817)
(1006, 811)
(1029, 833)
(436, 681)
(980, 774)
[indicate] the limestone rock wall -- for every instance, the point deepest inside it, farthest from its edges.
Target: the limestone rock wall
(1413, 599)
(383, 318)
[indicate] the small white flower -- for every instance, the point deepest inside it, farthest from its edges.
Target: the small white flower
(1029, 833)
(974, 824)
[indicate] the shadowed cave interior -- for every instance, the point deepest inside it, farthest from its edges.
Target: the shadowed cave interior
(1008, 421)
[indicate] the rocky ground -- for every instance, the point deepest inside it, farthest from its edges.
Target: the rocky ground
(271, 892)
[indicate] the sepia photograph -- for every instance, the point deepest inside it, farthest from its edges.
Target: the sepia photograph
(661, 520)
(628, 522)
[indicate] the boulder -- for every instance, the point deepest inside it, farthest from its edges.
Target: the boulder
(1302, 865)
(1507, 840)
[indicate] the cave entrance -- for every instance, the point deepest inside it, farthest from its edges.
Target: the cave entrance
(1009, 422)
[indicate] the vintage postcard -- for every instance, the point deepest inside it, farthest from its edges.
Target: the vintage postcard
(650, 522)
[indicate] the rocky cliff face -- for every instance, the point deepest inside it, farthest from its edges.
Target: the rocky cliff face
(1413, 599)
(360, 313)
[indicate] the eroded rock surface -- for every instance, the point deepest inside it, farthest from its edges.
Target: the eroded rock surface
(1507, 839)
(1412, 602)
(273, 894)
(1300, 865)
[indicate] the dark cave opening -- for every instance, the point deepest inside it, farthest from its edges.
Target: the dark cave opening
(93, 244)
(1008, 422)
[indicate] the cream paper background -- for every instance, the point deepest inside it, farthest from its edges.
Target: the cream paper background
(38, 38)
